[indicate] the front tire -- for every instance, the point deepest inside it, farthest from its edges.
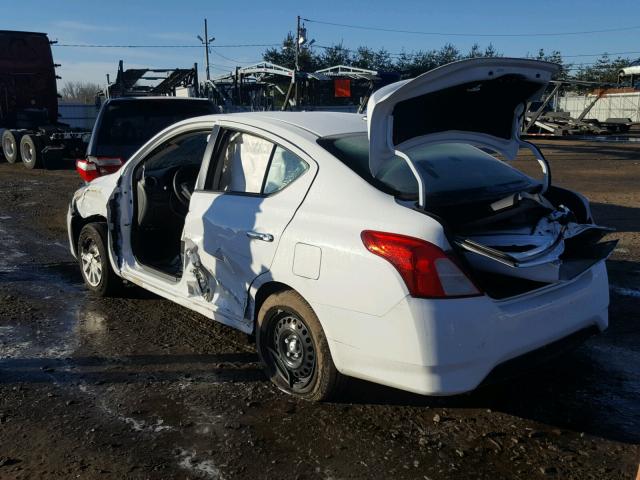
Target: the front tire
(30, 151)
(10, 146)
(294, 349)
(93, 258)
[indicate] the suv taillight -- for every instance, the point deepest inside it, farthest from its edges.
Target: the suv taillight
(94, 167)
(86, 169)
(425, 268)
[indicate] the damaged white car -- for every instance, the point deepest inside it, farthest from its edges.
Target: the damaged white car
(391, 247)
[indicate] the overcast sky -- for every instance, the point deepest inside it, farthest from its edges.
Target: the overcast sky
(160, 22)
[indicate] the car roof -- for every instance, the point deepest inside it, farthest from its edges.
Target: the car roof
(321, 124)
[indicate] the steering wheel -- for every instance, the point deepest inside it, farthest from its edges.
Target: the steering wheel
(184, 183)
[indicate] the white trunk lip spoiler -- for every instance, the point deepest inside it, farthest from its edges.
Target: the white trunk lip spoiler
(380, 110)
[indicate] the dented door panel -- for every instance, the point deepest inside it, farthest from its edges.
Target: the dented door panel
(231, 238)
(221, 249)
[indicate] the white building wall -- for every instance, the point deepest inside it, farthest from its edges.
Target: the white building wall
(615, 105)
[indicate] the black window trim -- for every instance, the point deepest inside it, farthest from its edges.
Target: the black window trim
(325, 143)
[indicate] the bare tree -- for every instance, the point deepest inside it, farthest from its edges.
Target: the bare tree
(80, 92)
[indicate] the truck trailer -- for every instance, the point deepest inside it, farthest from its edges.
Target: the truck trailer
(31, 131)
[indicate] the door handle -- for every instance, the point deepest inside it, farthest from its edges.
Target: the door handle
(265, 237)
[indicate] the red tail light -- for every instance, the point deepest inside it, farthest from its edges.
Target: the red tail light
(426, 270)
(87, 170)
(94, 167)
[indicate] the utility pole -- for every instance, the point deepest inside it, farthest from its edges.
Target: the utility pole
(205, 41)
(297, 67)
(301, 37)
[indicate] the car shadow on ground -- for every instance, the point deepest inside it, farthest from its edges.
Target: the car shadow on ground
(565, 394)
(201, 368)
(623, 219)
(57, 164)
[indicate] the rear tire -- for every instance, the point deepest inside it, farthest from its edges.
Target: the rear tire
(10, 146)
(93, 259)
(294, 349)
(30, 151)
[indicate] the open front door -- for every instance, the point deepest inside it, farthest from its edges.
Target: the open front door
(252, 190)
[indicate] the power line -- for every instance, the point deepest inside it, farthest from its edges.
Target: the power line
(221, 69)
(419, 52)
(600, 54)
(84, 45)
(459, 34)
(235, 60)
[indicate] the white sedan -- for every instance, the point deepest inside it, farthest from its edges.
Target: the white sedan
(390, 247)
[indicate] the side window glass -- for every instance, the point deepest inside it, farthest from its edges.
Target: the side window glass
(185, 150)
(285, 168)
(243, 163)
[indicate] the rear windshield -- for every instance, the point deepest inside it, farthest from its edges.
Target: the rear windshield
(126, 126)
(453, 172)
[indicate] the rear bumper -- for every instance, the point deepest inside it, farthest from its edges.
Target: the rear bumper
(445, 347)
(515, 366)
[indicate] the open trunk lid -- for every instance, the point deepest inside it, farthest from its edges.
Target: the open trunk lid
(478, 101)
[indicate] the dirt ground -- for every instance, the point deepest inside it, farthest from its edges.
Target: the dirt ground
(141, 388)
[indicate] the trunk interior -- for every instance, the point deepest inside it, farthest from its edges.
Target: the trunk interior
(525, 241)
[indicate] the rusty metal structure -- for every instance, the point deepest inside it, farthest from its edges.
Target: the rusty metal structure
(541, 120)
(143, 82)
(267, 86)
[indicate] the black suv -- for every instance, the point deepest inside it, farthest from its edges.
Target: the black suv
(125, 124)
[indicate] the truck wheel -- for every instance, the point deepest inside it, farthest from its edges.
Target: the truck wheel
(93, 258)
(10, 146)
(30, 151)
(294, 349)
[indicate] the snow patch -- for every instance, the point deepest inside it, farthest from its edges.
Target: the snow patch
(92, 322)
(202, 468)
(142, 426)
(10, 254)
(14, 350)
(10, 346)
(136, 425)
